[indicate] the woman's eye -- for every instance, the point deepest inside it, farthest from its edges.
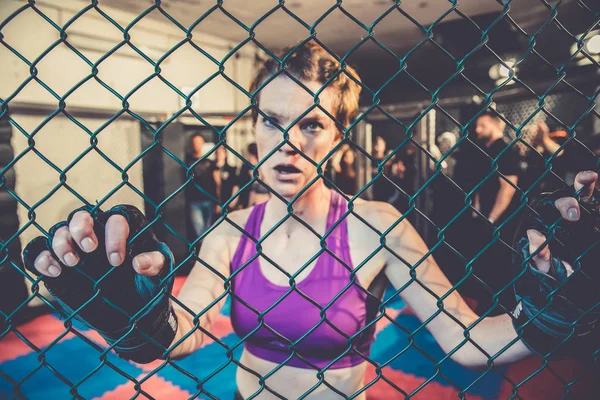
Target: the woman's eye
(313, 126)
(269, 122)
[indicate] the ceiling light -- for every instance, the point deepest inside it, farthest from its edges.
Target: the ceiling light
(591, 48)
(592, 45)
(502, 71)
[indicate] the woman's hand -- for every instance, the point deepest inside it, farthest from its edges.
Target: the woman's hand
(70, 241)
(110, 271)
(558, 286)
(570, 210)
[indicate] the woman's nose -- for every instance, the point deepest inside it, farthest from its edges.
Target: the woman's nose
(295, 141)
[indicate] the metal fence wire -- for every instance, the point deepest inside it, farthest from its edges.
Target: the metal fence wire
(536, 108)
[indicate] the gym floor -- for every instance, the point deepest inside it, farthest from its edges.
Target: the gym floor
(74, 359)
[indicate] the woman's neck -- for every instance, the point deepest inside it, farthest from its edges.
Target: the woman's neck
(312, 207)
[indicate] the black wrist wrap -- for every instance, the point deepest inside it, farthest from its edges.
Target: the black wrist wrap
(131, 312)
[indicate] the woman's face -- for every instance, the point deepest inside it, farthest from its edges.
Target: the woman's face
(282, 100)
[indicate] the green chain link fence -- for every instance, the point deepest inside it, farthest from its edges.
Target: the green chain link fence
(373, 95)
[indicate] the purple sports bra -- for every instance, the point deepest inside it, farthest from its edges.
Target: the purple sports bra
(320, 334)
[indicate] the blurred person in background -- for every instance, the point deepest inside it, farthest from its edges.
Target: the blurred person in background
(399, 198)
(256, 193)
(226, 179)
(445, 143)
(379, 149)
(205, 172)
(383, 190)
(446, 201)
(542, 146)
(345, 177)
(495, 198)
(493, 202)
(402, 173)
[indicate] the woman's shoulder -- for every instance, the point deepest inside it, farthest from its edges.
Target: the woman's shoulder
(239, 217)
(232, 225)
(379, 214)
(374, 209)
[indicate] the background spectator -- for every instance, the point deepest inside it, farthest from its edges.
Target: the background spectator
(256, 193)
(205, 172)
(533, 163)
(383, 190)
(226, 178)
(494, 199)
(344, 169)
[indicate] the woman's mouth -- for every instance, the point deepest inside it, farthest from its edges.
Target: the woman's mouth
(286, 172)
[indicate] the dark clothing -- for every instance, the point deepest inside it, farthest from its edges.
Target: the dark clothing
(475, 164)
(383, 190)
(229, 179)
(346, 183)
(404, 185)
(246, 175)
(201, 204)
(491, 266)
(532, 168)
(508, 164)
(203, 177)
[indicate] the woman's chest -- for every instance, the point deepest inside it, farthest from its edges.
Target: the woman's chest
(328, 297)
(284, 259)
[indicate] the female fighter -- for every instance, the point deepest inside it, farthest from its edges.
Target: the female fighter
(303, 273)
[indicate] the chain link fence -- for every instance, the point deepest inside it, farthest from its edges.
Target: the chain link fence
(118, 171)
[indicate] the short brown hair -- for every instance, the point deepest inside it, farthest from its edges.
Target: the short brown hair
(311, 62)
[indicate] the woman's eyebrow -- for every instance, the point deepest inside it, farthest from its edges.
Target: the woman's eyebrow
(316, 116)
(273, 114)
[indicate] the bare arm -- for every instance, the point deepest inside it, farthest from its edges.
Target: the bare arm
(503, 197)
(428, 285)
(552, 147)
(492, 334)
(544, 134)
(202, 288)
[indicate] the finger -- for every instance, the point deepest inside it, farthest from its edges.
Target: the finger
(568, 267)
(149, 264)
(81, 228)
(585, 180)
(47, 265)
(541, 259)
(569, 208)
(64, 247)
(117, 232)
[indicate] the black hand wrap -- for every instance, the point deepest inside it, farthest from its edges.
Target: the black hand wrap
(131, 312)
(558, 313)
